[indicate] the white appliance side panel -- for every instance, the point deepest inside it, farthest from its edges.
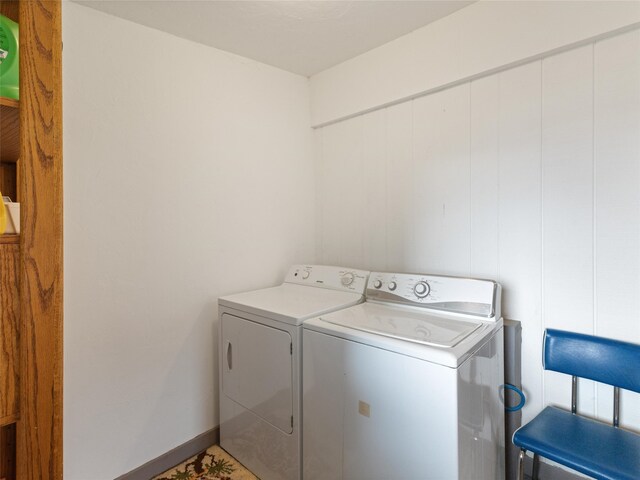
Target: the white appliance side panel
(322, 406)
(257, 369)
(481, 412)
(375, 413)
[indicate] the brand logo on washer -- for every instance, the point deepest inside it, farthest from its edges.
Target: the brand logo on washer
(364, 409)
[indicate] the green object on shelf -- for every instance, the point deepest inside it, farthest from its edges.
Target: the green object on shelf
(9, 59)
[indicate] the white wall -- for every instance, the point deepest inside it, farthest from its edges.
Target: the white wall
(475, 40)
(530, 176)
(188, 175)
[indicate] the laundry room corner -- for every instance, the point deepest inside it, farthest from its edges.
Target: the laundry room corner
(305, 225)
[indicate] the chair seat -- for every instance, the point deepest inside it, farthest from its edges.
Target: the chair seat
(587, 446)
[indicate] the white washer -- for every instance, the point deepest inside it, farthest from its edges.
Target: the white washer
(260, 354)
(406, 385)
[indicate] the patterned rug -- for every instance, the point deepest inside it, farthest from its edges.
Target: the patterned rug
(212, 464)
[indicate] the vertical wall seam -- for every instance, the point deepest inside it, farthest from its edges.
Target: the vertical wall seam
(543, 321)
(594, 208)
(320, 205)
(363, 199)
(496, 146)
(410, 227)
(386, 188)
(469, 179)
(593, 181)
(470, 176)
(498, 165)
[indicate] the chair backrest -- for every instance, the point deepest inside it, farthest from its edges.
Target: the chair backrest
(601, 359)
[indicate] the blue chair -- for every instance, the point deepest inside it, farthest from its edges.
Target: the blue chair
(588, 446)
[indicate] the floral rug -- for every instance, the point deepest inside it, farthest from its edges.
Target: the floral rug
(212, 464)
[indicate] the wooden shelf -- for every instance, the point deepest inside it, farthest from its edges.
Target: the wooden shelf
(9, 239)
(9, 130)
(9, 419)
(9, 102)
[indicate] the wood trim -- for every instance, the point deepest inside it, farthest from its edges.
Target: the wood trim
(9, 321)
(9, 351)
(39, 430)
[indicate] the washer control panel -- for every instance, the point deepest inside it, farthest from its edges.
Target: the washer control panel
(421, 289)
(334, 278)
(453, 294)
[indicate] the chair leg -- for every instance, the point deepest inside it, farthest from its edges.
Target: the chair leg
(536, 466)
(523, 453)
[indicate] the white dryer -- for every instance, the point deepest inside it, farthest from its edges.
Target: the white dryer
(260, 372)
(406, 385)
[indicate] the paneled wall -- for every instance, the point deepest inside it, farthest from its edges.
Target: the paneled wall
(530, 176)
(469, 43)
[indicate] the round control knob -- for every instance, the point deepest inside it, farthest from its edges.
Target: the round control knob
(392, 286)
(347, 279)
(305, 275)
(421, 289)
(377, 284)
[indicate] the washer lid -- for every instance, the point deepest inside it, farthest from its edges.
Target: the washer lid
(465, 341)
(407, 325)
(290, 303)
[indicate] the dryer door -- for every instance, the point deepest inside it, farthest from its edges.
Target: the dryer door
(257, 369)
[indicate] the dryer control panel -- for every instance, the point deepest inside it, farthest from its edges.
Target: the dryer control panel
(468, 296)
(333, 278)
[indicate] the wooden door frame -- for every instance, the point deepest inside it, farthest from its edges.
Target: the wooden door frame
(39, 430)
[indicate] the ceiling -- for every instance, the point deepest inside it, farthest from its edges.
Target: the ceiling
(303, 36)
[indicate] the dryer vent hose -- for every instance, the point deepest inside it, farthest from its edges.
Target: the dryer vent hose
(513, 388)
